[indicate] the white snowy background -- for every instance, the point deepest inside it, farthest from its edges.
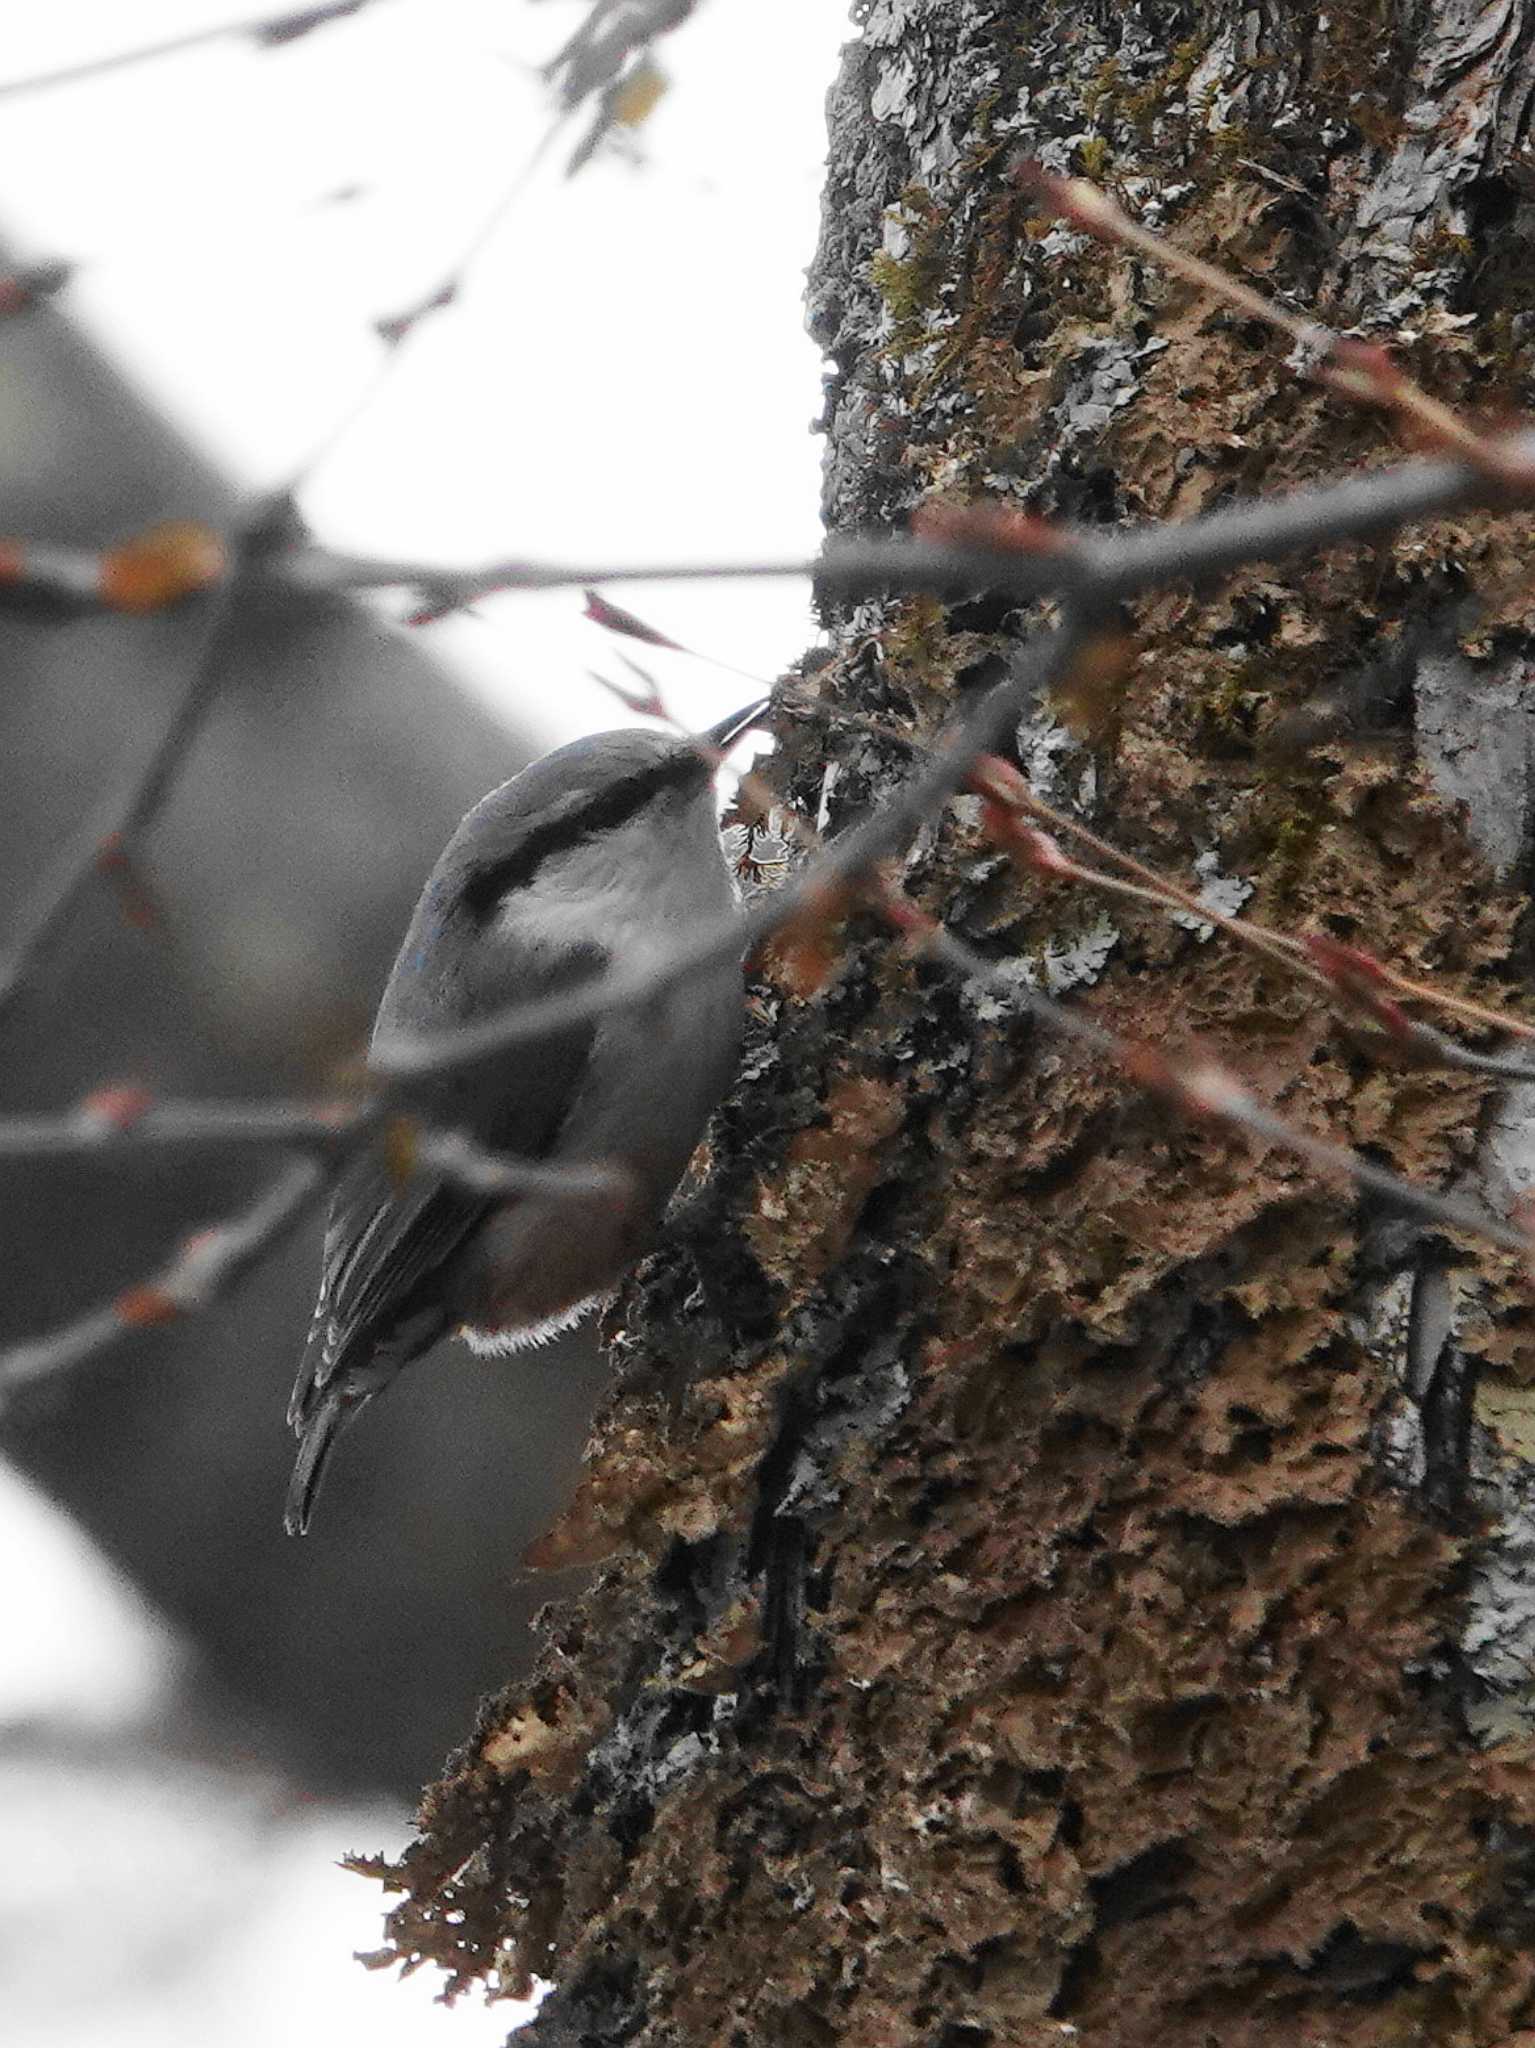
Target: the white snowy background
(624, 377)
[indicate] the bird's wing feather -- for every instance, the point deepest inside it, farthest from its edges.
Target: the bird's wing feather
(387, 1237)
(383, 1239)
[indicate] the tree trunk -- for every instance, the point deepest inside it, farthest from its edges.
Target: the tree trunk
(1065, 1565)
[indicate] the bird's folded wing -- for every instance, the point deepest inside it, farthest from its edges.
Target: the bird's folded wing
(388, 1237)
(384, 1241)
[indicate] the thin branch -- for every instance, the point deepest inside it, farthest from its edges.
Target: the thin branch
(1080, 563)
(609, 56)
(149, 572)
(212, 1261)
(1209, 1091)
(285, 27)
(1420, 1042)
(1357, 370)
(1084, 563)
(397, 330)
(121, 822)
(124, 1119)
(988, 726)
(459, 1159)
(208, 1266)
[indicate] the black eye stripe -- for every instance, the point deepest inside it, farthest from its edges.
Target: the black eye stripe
(602, 810)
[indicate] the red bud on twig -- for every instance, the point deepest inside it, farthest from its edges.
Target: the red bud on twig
(617, 620)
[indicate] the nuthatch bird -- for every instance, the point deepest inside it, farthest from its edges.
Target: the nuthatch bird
(606, 852)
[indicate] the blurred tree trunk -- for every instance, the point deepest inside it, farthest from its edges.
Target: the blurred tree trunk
(1064, 1565)
(335, 761)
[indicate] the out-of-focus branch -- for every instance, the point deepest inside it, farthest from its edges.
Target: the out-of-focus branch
(207, 1267)
(124, 1118)
(27, 284)
(847, 858)
(150, 572)
(1079, 563)
(608, 58)
(491, 1173)
(1063, 562)
(211, 1262)
(263, 29)
(111, 837)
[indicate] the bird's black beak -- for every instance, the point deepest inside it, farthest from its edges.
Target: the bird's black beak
(729, 730)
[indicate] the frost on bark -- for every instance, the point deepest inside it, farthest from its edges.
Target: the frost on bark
(1059, 1565)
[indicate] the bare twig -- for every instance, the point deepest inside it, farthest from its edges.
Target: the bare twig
(1083, 563)
(609, 57)
(212, 1261)
(397, 330)
(492, 1173)
(126, 1119)
(118, 825)
(1089, 565)
(207, 1267)
(402, 1057)
(1357, 370)
(1411, 1039)
(1207, 1090)
(271, 29)
(149, 572)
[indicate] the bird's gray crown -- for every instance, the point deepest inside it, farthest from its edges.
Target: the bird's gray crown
(590, 787)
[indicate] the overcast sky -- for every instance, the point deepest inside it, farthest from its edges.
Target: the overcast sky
(624, 377)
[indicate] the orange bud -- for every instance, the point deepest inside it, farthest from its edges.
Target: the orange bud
(143, 1307)
(156, 568)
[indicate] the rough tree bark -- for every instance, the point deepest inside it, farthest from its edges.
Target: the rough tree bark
(1063, 1566)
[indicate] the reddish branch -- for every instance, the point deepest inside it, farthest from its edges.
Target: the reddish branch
(1206, 1091)
(211, 1262)
(1355, 980)
(1361, 371)
(207, 1266)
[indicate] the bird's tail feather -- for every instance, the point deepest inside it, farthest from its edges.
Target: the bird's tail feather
(317, 1437)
